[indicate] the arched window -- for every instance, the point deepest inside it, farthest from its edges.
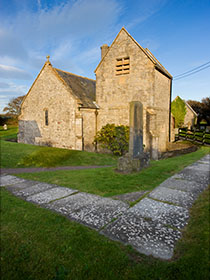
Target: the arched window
(46, 117)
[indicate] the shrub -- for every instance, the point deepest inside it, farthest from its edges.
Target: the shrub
(114, 138)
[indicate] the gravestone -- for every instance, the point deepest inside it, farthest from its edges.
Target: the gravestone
(136, 158)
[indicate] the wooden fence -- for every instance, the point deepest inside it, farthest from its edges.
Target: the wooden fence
(199, 136)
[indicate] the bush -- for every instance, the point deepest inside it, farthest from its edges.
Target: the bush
(114, 138)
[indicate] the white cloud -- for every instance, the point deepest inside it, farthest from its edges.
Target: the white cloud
(64, 31)
(70, 20)
(11, 72)
(142, 10)
(10, 90)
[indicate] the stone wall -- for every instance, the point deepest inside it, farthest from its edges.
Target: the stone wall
(49, 93)
(162, 104)
(89, 128)
(190, 118)
(114, 92)
(143, 83)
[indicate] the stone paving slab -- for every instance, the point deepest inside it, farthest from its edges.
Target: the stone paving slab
(50, 195)
(147, 237)
(175, 216)
(206, 158)
(178, 197)
(199, 167)
(182, 185)
(34, 189)
(7, 180)
(193, 175)
(130, 197)
(201, 161)
(20, 186)
(88, 209)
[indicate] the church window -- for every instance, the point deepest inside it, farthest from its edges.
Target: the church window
(122, 66)
(46, 117)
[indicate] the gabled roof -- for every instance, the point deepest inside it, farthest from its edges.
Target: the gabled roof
(157, 64)
(188, 105)
(83, 88)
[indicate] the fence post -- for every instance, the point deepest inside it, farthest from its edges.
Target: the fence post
(204, 136)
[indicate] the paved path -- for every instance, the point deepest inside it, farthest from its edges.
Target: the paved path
(44, 169)
(152, 226)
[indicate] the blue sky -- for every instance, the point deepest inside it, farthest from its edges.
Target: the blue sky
(177, 32)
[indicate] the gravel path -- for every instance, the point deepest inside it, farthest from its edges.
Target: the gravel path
(152, 226)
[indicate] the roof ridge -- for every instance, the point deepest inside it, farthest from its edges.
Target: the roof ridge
(123, 28)
(157, 61)
(75, 74)
(148, 54)
(188, 105)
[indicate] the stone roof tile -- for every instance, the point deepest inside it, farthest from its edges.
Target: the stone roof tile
(83, 88)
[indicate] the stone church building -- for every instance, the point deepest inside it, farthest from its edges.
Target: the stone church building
(65, 110)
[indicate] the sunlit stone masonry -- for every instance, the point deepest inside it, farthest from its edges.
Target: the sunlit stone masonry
(65, 110)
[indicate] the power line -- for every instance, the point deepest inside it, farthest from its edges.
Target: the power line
(192, 69)
(184, 76)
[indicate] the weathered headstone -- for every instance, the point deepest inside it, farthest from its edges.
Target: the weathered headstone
(136, 129)
(135, 159)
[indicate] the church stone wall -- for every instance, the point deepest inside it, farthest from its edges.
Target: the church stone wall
(142, 83)
(162, 103)
(48, 93)
(190, 118)
(89, 128)
(114, 92)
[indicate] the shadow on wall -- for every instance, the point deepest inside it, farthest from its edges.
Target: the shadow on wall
(28, 130)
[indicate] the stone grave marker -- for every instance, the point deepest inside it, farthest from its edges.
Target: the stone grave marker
(136, 158)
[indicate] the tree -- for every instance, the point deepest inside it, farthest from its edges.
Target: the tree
(178, 109)
(13, 107)
(114, 138)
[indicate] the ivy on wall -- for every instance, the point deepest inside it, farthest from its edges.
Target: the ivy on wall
(178, 109)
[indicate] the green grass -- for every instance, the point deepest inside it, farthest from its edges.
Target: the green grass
(47, 157)
(39, 244)
(13, 153)
(10, 133)
(106, 182)
(24, 155)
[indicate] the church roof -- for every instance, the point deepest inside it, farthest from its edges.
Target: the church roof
(83, 88)
(188, 105)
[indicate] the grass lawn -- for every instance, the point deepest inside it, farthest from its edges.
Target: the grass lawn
(106, 182)
(39, 244)
(10, 133)
(24, 155)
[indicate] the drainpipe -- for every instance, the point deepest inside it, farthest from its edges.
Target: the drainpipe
(83, 144)
(96, 127)
(170, 110)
